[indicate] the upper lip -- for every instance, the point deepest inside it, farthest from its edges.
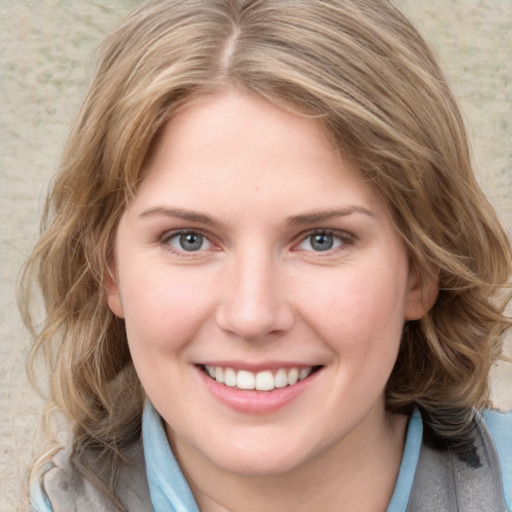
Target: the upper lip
(256, 367)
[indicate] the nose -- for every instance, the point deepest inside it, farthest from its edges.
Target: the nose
(254, 301)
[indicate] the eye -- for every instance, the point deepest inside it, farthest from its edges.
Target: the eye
(322, 241)
(188, 241)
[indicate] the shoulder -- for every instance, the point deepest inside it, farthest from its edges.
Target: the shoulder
(51, 484)
(500, 427)
(59, 487)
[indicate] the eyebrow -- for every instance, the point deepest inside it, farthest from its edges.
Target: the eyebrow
(179, 213)
(295, 220)
(323, 215)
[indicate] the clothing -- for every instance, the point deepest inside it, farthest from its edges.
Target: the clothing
(155, 481)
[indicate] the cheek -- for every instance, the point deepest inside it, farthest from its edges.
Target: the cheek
(357, 311)
(163, 309)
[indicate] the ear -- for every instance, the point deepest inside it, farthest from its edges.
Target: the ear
(112, 289)
(422, 291)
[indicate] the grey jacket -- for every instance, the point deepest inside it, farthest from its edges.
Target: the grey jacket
(442, 482)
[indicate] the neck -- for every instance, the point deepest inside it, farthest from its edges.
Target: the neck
(356, 474)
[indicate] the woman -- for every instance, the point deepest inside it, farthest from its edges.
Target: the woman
(267, 251)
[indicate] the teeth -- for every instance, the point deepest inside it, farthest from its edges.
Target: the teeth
(219, 374)
(230, 377)
(293, 376)
(245, 380)
(281, 378)
(261, 381)
(265, 381)
(304, 372)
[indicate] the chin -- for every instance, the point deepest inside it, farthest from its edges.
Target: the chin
(258, 466)
(261, 459)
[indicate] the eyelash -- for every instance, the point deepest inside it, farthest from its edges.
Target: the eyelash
(344, 238)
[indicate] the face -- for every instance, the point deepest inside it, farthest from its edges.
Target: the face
(263, 286)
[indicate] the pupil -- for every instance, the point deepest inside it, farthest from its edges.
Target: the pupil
(322, 242)
(191, 241)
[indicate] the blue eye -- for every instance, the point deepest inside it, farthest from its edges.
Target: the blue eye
(188, 241)
(322, 241)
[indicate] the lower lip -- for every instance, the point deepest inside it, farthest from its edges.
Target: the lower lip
(256, 402)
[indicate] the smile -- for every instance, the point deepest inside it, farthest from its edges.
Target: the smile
(261, 381)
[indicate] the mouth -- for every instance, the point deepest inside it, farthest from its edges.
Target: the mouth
(267, 380)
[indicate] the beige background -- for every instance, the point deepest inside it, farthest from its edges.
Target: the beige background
(45, 55)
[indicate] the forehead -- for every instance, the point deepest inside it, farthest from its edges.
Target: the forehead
(235, 149)
(237, 118)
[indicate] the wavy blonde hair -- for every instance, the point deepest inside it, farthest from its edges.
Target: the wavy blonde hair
(364, 71)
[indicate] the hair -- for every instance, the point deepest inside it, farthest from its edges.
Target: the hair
(362, 70)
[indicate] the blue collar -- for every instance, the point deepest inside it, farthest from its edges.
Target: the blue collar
(170, 492)
(407, 470)
(167, 485)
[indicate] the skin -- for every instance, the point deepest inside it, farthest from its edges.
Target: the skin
(256, 182)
